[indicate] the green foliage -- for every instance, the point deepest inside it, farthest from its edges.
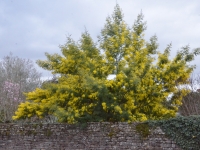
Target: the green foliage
(185, 131)
(143, 129)
(139, 91)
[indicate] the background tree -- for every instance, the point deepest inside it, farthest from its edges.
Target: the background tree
(139, 91)
(17, 75)
(191, 102)
(20, 71)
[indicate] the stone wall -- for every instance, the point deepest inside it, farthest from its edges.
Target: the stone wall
(96, 136)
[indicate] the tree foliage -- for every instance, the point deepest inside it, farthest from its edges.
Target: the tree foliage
(144, 78)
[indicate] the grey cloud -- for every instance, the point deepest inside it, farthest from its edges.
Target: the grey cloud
(30, 28)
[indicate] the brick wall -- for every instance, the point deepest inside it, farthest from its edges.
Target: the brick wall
(96, 136)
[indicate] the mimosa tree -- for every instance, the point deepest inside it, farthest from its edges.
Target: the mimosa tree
(144, 78)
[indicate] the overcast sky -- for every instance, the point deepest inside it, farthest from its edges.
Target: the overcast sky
(29, 28)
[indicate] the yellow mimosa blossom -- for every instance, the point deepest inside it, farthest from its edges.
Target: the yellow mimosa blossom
(104, 105)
